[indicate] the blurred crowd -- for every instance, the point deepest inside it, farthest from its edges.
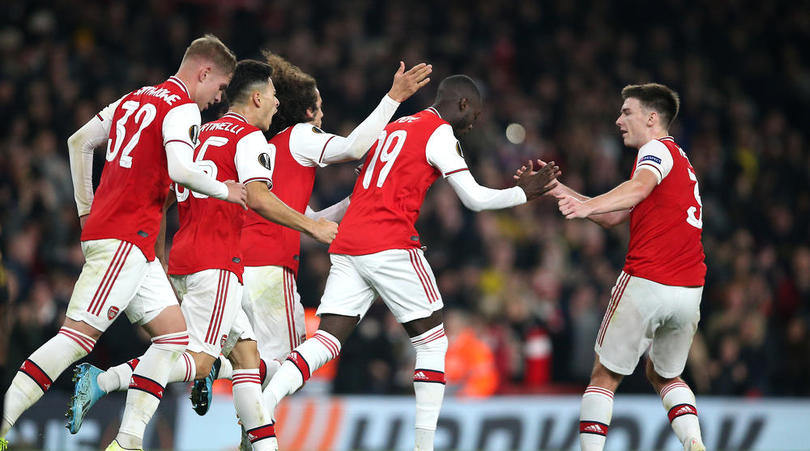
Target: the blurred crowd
(524, 289)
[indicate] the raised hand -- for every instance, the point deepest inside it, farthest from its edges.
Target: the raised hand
(536, 183)
(556, 188)
(407, 83)
(572, 208)
(325, 230)
(236, 193)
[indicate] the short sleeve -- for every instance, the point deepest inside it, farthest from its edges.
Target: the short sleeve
(255, 159)
(443, 151)
(182, 124)
(655, 157)
(308, 144)
(106, 115)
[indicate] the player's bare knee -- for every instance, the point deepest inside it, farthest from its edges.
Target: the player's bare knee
(245, 355)
(169, 321)
(656, 379)
(339, 326)
(419, 326)
(601, 376)
(81, 326)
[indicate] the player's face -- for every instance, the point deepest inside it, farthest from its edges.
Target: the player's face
(269, 105)
(211, 88)
(317, 115)
(468, 118)
(633, 123)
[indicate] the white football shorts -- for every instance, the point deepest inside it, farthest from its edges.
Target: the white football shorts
(401, 277)
(273, 305)
(643, 315)
(115, 278)
(211, 301)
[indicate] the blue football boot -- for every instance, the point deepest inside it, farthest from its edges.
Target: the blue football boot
(202, 392)
(86, 393)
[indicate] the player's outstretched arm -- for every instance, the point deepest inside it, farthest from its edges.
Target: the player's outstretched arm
(354, 146)
(622, 198)
(561, 191)
(332, 213)
(270, 207)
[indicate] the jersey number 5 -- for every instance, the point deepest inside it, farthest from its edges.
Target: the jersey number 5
(691, 218)
(387, 150)
(145, 115)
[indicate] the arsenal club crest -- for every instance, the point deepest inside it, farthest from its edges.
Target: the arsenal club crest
(112, 312)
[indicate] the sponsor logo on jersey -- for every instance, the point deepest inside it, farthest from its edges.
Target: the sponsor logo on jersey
(194, 134)
(458, 149)
(266, 161)
(112, 312)
(316, 129)
(652, 158)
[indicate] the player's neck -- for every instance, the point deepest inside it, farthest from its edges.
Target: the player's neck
(248, 113)
(187, 80)
(654, 134)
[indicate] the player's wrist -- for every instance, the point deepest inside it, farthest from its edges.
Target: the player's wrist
(393, 97)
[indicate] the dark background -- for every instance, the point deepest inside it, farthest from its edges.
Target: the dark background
(526, 286)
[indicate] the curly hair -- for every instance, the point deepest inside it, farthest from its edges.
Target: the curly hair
(295, 90)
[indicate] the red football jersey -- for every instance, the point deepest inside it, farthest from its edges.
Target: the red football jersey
(390, 189)
(266, 243)
(665, 228)
(210, 229)
(128, 203)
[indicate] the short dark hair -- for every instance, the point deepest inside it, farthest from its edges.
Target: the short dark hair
(248, 76)
(456, 87)
(656, 97)
(295, 90)
(212, 48)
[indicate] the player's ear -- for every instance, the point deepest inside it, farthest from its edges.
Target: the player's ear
(257, 98)
(205, 70)
(310, 113)
(463, 104)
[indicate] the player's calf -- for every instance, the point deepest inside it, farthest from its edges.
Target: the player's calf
(147, 386)
(37, 373)
(428, 383)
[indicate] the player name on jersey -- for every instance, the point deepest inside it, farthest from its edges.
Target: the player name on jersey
(223, 126)
(160, 93)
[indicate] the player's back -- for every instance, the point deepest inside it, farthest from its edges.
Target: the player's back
(135, 180)
(665, 228)
(390, 190)
(210, 229)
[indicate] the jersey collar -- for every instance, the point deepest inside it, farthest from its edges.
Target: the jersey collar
(179, 83)
(667, 138)
(232, 115)
(434, 111)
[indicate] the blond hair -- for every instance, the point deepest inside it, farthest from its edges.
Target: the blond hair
(209, 47)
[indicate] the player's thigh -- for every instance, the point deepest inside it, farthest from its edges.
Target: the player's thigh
(211, 303)
(672, 340)
(274, 308)
(241, 330)
(154, 295)
(347, 293)
(405, 282)
(626, 330)
(112, 274)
